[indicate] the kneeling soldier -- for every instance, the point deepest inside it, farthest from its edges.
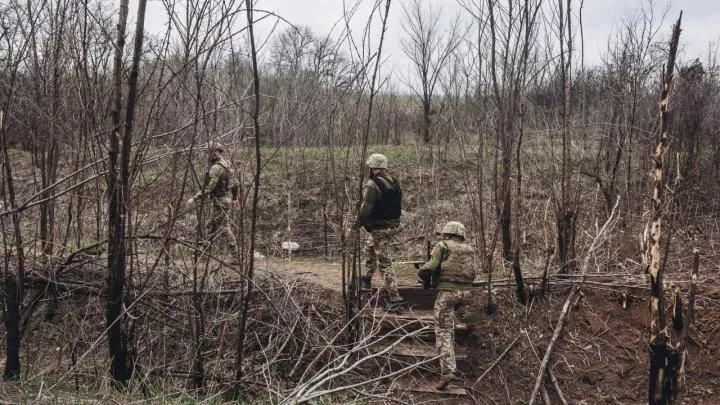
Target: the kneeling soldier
(452, 268)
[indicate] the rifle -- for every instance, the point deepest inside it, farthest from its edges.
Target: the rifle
(429, 282)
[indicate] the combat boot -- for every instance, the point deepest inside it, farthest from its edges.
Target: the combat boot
(365, 282)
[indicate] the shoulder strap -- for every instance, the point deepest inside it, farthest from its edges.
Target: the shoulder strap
(223, 163)
(385, 183)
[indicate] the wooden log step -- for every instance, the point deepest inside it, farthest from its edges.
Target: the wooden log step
(425, 317)
(414, 297)
(454, 393)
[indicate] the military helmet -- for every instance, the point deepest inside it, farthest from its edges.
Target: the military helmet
(377, 161)
(454, 228)
(215, 146)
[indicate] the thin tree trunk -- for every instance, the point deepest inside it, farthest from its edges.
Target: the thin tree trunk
(690, 318)
(119, 193)
(14, 280)
(116, 253)
(126, 175)
(354, 297)
(565, 211)
(517, 271)
(256, 197)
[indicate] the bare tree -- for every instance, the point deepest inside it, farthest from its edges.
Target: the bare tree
(119, 176)
(624, 78)
(428, 49)
(14, 280)
(352, 303)
(14, 50)
(510, 28)
(566, 204)
(249, 274)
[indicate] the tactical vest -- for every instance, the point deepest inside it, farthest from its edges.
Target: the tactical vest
(221, 187)
(389, 205)
(458, 266)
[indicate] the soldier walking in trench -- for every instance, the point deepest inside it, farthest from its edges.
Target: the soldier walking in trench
(380, 216)
(452, 269)
(222, 188)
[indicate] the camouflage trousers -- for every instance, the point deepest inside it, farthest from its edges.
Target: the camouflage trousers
(219, 225)
(445, 304)
(377, 257)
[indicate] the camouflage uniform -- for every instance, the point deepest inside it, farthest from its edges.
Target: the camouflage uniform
(382, 232)
(451, 264)
(445, 304)
(220, 183)
(377, 255)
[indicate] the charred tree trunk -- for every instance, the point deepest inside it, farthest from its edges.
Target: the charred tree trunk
(125, 168)
(119, 194)
(663, 359)
(116, 228)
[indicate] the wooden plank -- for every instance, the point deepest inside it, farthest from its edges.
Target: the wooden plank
(428, 386)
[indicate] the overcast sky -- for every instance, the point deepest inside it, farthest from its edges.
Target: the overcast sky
(701, 22)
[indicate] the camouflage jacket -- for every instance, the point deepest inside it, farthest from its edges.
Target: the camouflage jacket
(220, 183)
(452, 264)
(372, 196)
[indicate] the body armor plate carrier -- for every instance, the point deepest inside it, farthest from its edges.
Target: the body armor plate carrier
(459, 266)
(389, 204)
(221, 188)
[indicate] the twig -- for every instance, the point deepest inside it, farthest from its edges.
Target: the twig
(310, 389)
(557, 386)
(549, 370)
(556, 334)
(545, 396)
(495, 363)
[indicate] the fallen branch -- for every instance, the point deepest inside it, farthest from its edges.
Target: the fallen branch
(311, 389)
(557, 387)
(556, 334)
(496, 362)
(545, 396)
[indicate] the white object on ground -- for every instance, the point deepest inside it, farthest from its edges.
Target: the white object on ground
(291, 246)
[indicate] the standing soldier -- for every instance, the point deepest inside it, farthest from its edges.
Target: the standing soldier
(220, 185)
(380, 216)
(452, 268)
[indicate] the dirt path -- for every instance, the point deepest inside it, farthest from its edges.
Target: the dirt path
(327, 274)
